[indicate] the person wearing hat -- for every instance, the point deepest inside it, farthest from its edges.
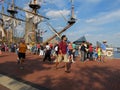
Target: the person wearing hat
(103, 47)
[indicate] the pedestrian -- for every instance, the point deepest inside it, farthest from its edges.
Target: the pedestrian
(90, 52)
(38, 48)
(41, 51)
(87, 55)
(70, 52)
(103, 48)
(56, 48)
(95, 54)
(62, 55)
(83, 51)
(0, 52)
(74, 49)
(99, 53)
(47, 52)
(22, 52)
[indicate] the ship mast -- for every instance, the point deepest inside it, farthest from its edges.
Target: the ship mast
(70, 23)
(35, 6)
(12, 12)
(72, 19)
(3, 33)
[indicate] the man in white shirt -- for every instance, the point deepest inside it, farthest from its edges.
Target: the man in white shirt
(47, 52)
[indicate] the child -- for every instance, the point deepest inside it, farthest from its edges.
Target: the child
(70, 52)
(95, 55)
(99, 53)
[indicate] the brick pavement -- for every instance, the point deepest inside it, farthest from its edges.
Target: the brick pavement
(90, 75)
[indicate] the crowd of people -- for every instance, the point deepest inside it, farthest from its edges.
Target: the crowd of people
(89, 52)
(62, 51)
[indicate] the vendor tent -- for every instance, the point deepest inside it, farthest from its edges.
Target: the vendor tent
(80, 40)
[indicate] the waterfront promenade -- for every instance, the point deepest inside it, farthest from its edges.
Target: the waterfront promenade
(39, 75)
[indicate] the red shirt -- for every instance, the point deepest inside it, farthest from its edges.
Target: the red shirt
(63, 47)
(90, 48)
(38, 45)
(51, 45)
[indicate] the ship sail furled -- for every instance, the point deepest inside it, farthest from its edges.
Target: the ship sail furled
(5, 18)
(2, 23)
(1, 29)
(37, 19)
(16, 23)
(29, 15)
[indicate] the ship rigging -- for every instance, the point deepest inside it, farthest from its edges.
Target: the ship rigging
(31, 22)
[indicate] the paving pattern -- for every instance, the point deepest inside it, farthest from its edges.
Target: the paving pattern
(89, 75)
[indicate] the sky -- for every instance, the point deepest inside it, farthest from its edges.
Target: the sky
(97, 20)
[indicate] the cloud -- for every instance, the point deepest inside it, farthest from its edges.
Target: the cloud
(107, 17)
(90, 20)
(114, 40)
(117, 34)
(46, 9)
(92, 1)
(88, 1)
(57, 3)
(57, 13)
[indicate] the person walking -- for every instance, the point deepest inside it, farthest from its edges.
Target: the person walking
(83, 51)
(47, 52)
(41, 50)
(22, 52)
(103, 48)
(90, 52)
(99, 53)
(62, 55)
(74, 49)
(70, 52)
(0, 52)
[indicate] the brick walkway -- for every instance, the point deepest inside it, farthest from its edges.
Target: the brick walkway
(90, 75)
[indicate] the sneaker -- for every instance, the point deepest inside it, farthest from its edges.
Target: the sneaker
(18, 61)
(73, 61)
(67, 71)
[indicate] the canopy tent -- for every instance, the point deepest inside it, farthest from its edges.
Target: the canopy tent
(80, 40)
(98, 43)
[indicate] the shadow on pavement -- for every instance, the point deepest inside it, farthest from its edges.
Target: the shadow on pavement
(81, 78)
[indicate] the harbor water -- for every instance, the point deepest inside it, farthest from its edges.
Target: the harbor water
(116, 54)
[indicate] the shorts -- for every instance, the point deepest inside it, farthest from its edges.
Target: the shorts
(104, 52)
(41, 52)
(63, 58)
(70, 52)
(21, 55)
(95, 55)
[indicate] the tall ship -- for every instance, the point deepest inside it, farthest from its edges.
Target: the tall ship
(32, 33)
